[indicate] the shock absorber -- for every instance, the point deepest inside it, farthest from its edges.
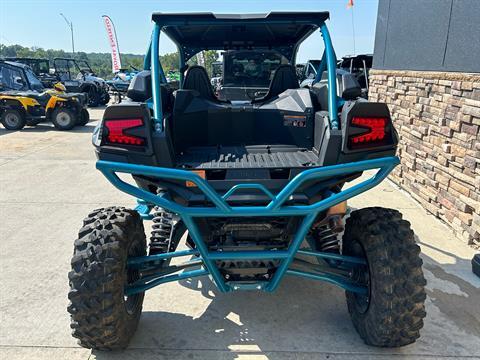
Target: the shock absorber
(327, 234)
(327, 231)
(161, 236)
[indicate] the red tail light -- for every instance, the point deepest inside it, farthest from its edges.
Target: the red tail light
(375, 132)
(116, 131)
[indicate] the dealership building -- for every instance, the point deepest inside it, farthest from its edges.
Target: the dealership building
(426, 67)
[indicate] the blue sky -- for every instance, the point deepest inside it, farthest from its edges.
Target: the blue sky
(38, 23)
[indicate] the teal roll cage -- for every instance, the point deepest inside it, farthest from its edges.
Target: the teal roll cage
(152, 268)
(152, 62)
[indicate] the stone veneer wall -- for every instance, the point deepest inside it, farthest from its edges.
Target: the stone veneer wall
(437, 116)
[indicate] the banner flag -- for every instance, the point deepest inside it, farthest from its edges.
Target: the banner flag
(112, 39)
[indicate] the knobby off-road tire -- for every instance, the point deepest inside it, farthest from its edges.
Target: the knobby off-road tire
(101, 316)
(391, 315)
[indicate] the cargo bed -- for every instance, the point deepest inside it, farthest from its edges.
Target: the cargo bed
(246, 157)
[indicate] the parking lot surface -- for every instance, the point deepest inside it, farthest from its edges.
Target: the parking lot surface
(48, 184)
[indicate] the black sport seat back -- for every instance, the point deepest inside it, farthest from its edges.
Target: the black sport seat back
(348, 88)
(140, 89)
(197, 79)
(284, 78)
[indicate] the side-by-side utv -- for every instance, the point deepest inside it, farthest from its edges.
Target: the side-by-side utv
(41, 68)
(24, 100)
(359, 66)
(250, 191)
(78, 76)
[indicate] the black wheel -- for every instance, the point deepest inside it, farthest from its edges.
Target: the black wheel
(93, 96)
(105, 99)
(13, 119)
(84, 118)
(64, 118)
(102, 317)
(392, 312)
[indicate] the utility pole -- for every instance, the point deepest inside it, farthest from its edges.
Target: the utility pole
(70, 25)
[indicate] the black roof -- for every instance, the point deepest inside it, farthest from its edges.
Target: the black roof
(200, 31)
(16, 64)
(19, 58)
(295, 16)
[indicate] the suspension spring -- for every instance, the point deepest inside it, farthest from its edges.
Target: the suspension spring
(327, 234)
(161, 236)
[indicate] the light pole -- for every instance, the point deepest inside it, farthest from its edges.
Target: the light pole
(70, 25)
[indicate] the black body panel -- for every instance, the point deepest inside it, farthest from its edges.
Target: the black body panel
(286, 120)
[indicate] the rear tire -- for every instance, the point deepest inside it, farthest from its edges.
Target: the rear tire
(392, 313)
(84, 117)
(102, 317)
(64, 118)
(13, 120)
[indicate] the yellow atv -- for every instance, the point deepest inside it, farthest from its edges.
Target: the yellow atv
(24, 100)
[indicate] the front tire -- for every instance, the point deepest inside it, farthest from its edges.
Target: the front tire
(13, 119)
(84, 117)
(392, 313)
(102, 317)
(64, 118)
(105, 99)
(93, 97)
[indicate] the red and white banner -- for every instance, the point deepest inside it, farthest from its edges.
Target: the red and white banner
(112, 39)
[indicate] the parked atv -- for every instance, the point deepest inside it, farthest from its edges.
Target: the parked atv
(24, 100)
(78, 76)
(41, 68)
(260, 185)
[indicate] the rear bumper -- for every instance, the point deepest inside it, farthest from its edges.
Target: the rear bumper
(221, 208)
(275, 207)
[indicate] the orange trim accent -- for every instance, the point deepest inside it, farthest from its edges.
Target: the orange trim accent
(200, 173)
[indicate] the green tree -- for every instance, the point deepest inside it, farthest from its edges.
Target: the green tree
(210, 57)
(101, 63)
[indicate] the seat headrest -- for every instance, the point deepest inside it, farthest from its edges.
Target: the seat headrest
(197, 79)
(285, 77)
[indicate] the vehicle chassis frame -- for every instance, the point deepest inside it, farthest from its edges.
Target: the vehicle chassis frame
(159, 274)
